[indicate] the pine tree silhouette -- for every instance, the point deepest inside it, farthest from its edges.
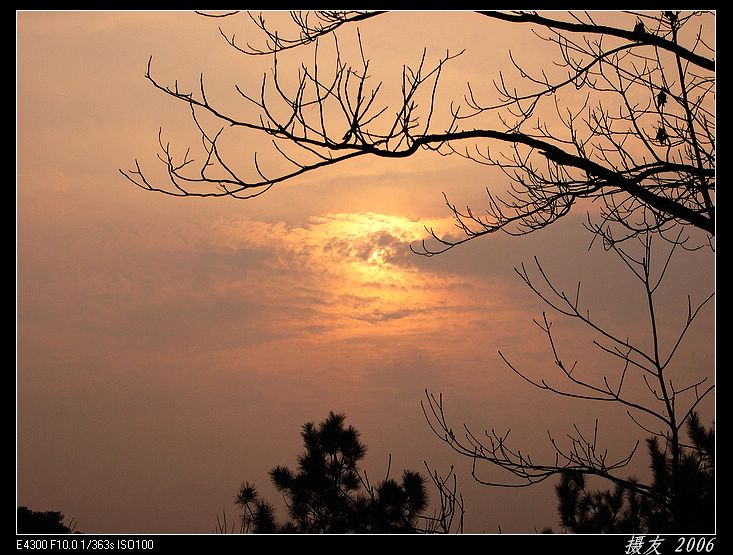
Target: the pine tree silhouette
(681, 498)
(328, 494)
(41, 522)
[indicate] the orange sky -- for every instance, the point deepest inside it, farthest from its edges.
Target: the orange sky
(169, 349)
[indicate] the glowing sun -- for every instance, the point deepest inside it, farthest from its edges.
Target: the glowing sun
(378, 256)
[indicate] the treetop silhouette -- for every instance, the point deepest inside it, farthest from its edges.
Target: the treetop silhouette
(328, 493)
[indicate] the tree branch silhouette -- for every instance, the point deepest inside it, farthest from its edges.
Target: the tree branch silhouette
(668, 405)
(649, 166)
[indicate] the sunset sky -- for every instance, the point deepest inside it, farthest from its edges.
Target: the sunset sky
(169, 349)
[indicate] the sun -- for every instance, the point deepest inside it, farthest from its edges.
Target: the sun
(378, 256)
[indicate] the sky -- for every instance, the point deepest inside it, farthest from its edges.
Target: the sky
(169, 349)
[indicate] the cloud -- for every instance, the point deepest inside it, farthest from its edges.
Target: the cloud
(355, 267)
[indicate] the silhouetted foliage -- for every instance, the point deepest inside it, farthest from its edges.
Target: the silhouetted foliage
(327, 492)
(41, 522)
(688, 507)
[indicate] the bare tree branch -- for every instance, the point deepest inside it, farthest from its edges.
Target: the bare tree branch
(649, 165)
